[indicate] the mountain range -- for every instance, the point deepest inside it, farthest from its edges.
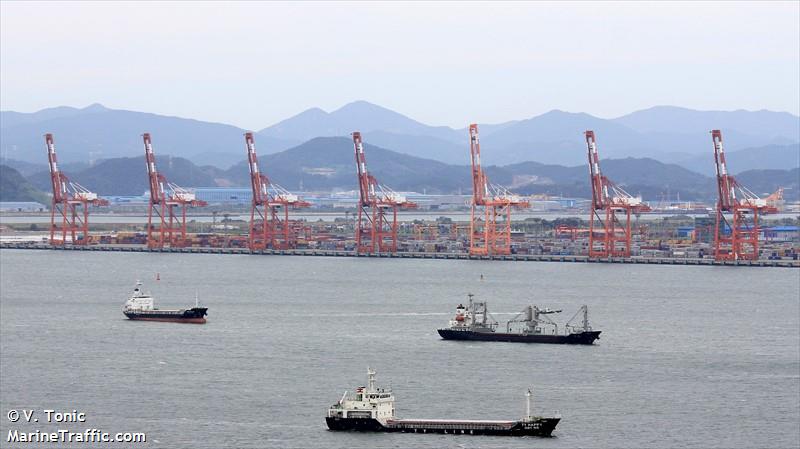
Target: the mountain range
(664, 133)
(96, 132)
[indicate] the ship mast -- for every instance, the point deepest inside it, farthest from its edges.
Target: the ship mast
(585, 318)
(528, 395)
(370, 379)
(470, 312)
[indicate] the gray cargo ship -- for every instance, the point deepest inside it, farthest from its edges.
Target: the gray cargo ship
(532, 325)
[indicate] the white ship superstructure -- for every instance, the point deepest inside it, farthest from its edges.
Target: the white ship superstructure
(365, 402)
(139, 300)
(474, 317)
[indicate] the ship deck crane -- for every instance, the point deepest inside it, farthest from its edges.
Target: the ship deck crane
(168, 204)
(269, 212)
(70, 202)
(737, 240)
(376, 223)
(583, 314)
(532, 317)
(608, 236)
(490, 216)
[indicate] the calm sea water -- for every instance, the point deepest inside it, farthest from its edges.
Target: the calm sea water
(689, 356)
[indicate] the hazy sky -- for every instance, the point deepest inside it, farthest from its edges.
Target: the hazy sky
(251, 64)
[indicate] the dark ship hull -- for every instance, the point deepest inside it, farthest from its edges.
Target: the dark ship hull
(580, 338)
(540, 427)
(194, 315)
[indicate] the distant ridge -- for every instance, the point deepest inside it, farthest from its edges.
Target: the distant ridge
(96, 132)
(11, 118)
(662, 119)
(665, 133)
(14, 187)
(356, 116)
(128, 176)
(759, 158)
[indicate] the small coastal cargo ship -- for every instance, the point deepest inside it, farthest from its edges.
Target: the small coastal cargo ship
(371, 409)
(140, 306)
(532, 325)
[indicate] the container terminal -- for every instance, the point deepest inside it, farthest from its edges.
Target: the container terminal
(612, 226)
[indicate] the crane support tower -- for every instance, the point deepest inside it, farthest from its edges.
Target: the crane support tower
(376, 223)
(608, 235)
(490, 218)
(269, 214)
(168, 204)
(737, 240)
(71, 203)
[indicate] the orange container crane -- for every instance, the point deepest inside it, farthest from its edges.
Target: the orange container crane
(270, 203)
(71, 201)
(168, 202)
(376, 225)
(737, 241)
(490, 218)
(608, 236)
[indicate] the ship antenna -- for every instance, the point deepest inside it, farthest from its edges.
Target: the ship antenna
(196, 300)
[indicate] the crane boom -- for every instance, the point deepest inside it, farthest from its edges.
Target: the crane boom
(725, 183)
(480, 189)
(258, 182)
(599, 187)
(366, 188)
(157, 194)
(58, 180)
